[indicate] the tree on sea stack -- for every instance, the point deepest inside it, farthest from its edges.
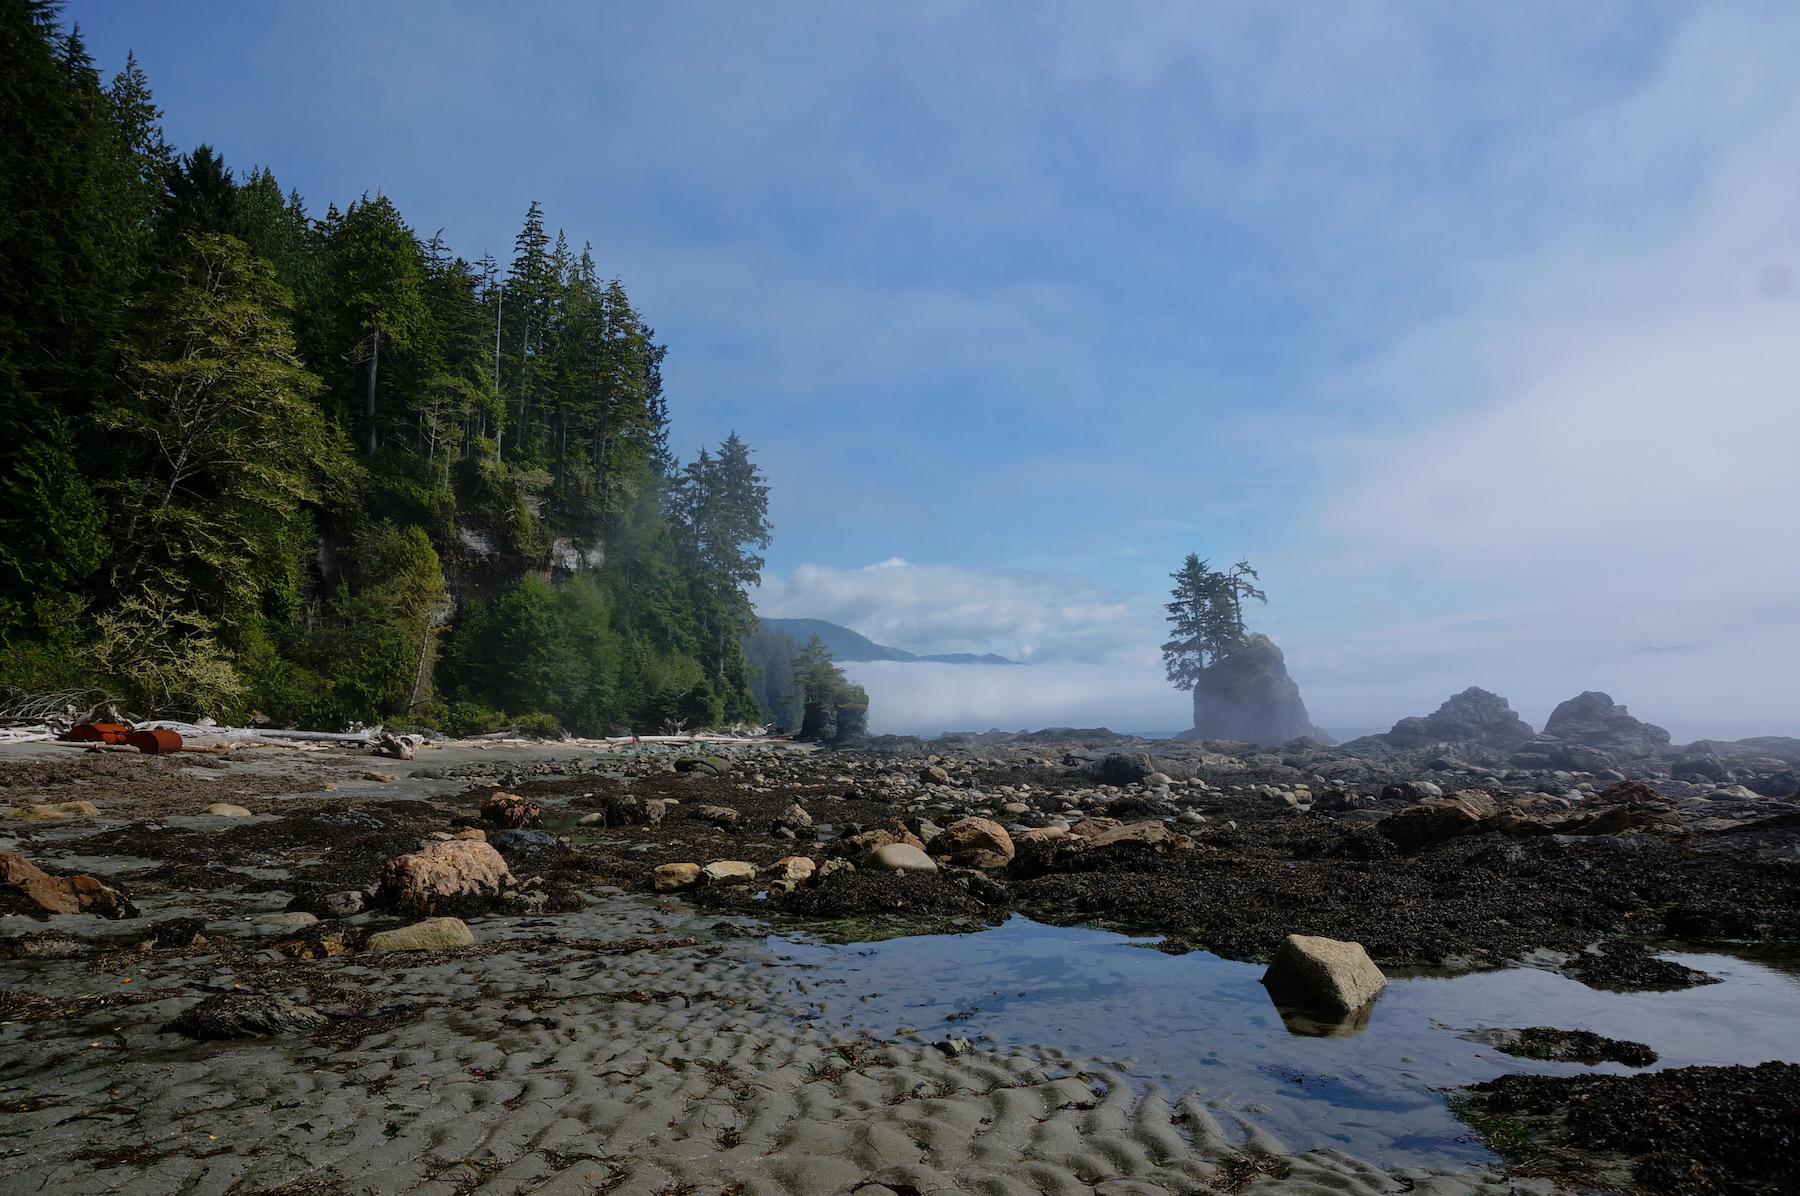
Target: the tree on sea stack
(836, 711)
(1208, 613)
(1242, 691)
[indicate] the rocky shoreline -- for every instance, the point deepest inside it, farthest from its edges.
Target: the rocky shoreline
(1454, 852)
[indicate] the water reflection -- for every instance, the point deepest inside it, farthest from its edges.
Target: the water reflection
(1371, 1083)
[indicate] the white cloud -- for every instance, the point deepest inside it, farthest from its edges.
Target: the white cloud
(1030, 617)
(1607, 495)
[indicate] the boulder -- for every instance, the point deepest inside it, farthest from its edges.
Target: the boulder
(1324, 973)
(460, 874)
(931, 774)
(224, 809)
(432, 934)
(510, 810)
(901, 857)
(667, 878)
(709, 766)
(974, 843)
(239, 1013)
(1248, 696)
(831, 868)
(1093, 828)
(720, 816)
(343, 903)
(1153, 835)
(795, 817)
(729, 872)
(63, 894)
(521, 839)
(1438, 818)
(863, 842)
(471, 832)
(1628, 793)
(791, 868)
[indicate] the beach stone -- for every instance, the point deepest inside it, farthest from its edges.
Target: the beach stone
(1016, 807)
(1327, 973)
(321, 940)
(239, 1013)
(60, 809)
(794, 817)
(224, 809)
(510, 810)
(901, 857)
(975, 843)
(471, 832)
(430, 935)
(294, 918)
(457, 873)
(1041, 834)
(794, 868)
(342, 904)
(719, 816)
(63, 894)
(863, 842)
(522, 839)
(1438, 818)
(831, 868)
(1150, 834)
(380, 777)
(931, 774)
(729, 872)
(1093, 828)
(712, 766)
(666, 878)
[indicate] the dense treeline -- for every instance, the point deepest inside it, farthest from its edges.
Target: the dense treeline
(323, 469)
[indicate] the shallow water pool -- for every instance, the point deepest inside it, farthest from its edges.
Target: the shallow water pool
(1196, 1020)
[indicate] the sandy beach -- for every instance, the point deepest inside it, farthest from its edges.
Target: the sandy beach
(638, 1045)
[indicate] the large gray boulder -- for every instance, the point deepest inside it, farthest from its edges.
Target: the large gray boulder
(1248, 696)
(1324, 973)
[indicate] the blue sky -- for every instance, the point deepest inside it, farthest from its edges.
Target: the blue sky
(1469, 324)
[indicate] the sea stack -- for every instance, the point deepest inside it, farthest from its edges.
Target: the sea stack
(1247, 696)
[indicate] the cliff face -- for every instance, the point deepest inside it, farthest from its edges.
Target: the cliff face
(1249, 697)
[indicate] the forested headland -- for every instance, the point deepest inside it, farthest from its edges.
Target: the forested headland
(318, 468)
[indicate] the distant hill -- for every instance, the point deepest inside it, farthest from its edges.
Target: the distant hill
(847, 645)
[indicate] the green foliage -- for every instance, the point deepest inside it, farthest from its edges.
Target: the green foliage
(1208, 614)
(199, 507)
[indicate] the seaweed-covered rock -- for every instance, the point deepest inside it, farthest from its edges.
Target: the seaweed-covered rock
(508, 810)
(459, 874)
(239, 1013)
(974, 843)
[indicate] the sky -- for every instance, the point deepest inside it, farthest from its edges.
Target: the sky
(1474, 327)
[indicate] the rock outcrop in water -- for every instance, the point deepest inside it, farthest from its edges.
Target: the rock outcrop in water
(1248, 697)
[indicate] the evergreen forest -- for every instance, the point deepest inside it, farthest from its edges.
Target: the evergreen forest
(266, 462)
